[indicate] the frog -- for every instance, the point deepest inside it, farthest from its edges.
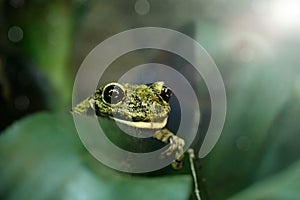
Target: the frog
(142, 106)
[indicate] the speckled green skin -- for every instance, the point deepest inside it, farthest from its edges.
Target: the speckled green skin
(141, 103)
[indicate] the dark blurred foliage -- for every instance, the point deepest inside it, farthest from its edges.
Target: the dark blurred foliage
(29, 66)
(23, 88)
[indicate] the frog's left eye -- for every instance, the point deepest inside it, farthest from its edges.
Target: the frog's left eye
(113, 94)
(165, 93)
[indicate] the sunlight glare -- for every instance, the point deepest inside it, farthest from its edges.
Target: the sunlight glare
(286, 13)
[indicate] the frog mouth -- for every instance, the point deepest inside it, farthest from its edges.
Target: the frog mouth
(144, 125)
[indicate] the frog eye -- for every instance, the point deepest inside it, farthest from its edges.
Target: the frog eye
(165, 93)
(113, 94)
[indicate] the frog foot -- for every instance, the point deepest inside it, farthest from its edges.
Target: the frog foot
(176, 143)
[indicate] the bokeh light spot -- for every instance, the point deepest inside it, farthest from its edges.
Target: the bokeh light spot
(15, 34)
(246, 54)
(142, 7)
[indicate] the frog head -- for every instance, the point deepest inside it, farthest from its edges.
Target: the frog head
(141, 106)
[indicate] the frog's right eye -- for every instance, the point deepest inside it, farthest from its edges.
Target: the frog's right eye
(165, 93)
(113, 94)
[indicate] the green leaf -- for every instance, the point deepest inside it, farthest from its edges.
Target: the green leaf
(282, 186)
(261, 130)
(43, 158)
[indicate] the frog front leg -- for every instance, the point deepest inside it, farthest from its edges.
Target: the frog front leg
(176, 144)
(82, 107)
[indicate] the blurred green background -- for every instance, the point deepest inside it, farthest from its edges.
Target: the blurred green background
(255, 45)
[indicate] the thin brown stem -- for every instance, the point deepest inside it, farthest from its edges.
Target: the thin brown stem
(196, 187)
